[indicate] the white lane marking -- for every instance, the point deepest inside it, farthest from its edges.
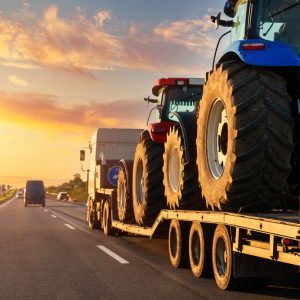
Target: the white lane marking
(54, 216)
(45, 210)
(69, 221)
(7, 202)
(69, 226)
(113, 255)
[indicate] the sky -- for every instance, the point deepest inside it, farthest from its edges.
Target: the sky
(68, 67)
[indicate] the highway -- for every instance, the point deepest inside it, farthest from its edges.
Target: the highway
(49, 253)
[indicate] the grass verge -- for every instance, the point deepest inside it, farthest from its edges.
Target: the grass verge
(8, 195)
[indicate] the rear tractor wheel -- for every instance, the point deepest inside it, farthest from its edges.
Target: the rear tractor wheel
(244, 139)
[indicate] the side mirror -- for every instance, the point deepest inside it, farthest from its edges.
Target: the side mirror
(148, 99)
(216, 20)
(82, 155)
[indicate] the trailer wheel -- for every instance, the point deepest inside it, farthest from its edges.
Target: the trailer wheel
(178, 244)
(106, 219)
(124, 201)
(147, 181)
(90, 216)
(180, 178)
(199, 251)
(222, 258)
(244, 138)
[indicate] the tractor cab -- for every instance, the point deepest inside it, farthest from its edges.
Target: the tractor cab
(174, 96)
(265, 21)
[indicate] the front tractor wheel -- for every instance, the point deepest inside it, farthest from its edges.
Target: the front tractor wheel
(244, 138)
(180, 177)
(124, 201)
(147, 181)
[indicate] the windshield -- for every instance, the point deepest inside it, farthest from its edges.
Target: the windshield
(182, 99)
(278, 20)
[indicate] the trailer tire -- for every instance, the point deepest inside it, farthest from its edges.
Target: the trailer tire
(124, 201)
(92, 223)
(199, 251)
(222, 258)
(244, 139)
(147, 181)
(180, 177)
(178, 244)
(106, 219)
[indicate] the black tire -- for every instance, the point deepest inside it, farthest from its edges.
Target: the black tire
(178, 244)
(106, 219)
(222, 258)
(147, 181)
(180, 178)
(124, 199)
(200, 251)
(91, 216)
(244, 139)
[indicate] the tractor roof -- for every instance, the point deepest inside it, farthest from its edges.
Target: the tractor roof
(162, 82)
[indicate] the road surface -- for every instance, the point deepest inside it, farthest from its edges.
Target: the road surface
(49, 253)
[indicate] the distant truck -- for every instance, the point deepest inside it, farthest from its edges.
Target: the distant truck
(106, 147)
(34, 192)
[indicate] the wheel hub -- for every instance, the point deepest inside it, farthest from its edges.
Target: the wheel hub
(174, 169)
(217, 138)
(139, 182)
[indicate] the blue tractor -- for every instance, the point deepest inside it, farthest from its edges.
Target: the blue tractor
(248, 125)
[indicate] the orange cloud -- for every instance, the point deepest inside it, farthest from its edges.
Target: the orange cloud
(79, 44)
(44, 112)
(197, 35)
(16, 80)
(74, 45)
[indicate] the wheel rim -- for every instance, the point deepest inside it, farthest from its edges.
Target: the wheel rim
(173, 242)
(195, 248)
(105, 216)
(221, 257)
(217, 138)
(174, 169)
(139, 182)
(122, 191)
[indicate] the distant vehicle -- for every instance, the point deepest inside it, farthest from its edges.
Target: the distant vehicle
(34, 192)
(20, 194)
(62, 196)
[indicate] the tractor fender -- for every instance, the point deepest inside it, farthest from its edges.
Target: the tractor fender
(274, 54)
(188, 126)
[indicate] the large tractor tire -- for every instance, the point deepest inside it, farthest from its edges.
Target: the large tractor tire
(147, 181)
(180, 177)
(124, 199)
(244, 139)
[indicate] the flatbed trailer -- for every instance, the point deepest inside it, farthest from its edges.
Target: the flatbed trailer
(229, 245)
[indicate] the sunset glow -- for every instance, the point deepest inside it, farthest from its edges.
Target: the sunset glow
(68, 67)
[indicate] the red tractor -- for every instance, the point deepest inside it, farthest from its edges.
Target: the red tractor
(147, 184)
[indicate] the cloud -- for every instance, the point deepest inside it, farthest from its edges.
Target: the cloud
(79, 44)
(101, 17)
(17, 81)
(196, 35)
(75, 45)
(45, 113)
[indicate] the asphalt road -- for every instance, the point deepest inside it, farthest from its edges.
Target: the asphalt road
(49, 253)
